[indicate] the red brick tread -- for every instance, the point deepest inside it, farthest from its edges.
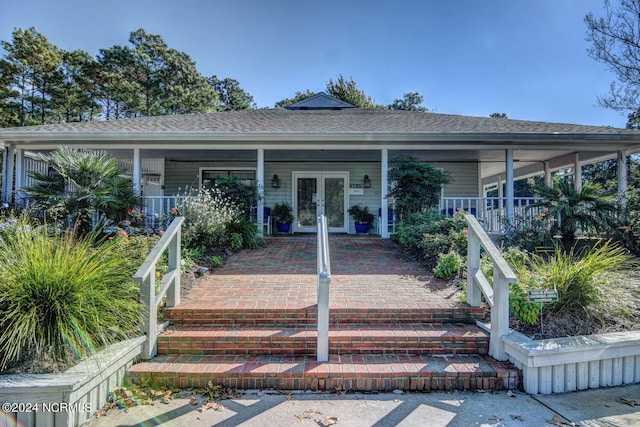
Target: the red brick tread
(203, 314)
(301, 340)
(350, 372)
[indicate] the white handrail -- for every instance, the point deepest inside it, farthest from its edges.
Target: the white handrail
(477, 284)
(170, 284)
(324, 280)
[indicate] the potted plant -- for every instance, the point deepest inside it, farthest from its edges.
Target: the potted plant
(362, 217)
(283, 216)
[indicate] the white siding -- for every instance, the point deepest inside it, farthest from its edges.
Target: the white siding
(464, 179)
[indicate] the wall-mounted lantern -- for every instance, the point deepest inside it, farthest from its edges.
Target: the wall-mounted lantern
(367, 182)
(275, 182)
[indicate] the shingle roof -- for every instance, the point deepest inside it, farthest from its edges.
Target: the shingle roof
(348, 121)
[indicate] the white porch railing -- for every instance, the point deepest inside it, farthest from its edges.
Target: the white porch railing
(497, 296)
(492, 211)
(169, 286)
(324, 281)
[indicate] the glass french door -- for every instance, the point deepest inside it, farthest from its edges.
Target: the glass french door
(320, 193)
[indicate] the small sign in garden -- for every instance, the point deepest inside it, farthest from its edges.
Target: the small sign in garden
(546, 295)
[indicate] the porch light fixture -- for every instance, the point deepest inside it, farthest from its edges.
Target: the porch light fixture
(275, 182)
(367, 182)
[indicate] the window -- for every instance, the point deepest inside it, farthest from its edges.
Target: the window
(209, 176)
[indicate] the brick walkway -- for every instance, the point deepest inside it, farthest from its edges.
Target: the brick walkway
(367, 272)
(252, 324)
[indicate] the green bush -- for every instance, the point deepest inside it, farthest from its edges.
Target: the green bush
(519, 305)
(243, 234)
(448, 265)
(429, 234)
(62, 298)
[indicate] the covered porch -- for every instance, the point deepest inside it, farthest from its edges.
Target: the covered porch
(318, 181)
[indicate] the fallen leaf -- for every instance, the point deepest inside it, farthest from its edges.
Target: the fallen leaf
(193, 401)
(329, 421)
(495, 418)
(289, 396)
(511, 394)
(211, 405)
(307, 414)
(517, 417)
(628, 402)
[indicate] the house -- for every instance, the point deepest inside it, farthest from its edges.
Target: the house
(323, 155)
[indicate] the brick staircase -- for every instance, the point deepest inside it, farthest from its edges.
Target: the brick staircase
(370, 350)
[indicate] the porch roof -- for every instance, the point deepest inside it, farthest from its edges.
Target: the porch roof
(357, 126)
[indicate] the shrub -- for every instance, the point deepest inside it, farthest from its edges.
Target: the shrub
(62, 298)
(208, 213)
(417, 184)
(236, 190)
(448, 265)
(531, 233)
(243, 234)
(519, 305)
(429, 234)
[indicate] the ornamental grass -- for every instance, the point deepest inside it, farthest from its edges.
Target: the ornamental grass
(61, 298)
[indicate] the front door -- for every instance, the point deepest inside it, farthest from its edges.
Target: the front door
(320, 193)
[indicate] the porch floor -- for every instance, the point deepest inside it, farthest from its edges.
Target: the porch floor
(367, 272)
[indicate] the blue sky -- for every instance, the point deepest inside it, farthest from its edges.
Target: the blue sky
(522, 57)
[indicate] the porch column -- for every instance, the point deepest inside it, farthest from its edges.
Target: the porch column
(260, 184)
(19, 183)
(547, 175)
(137, 171)
(384, 186)
(508, 186)
(7, 175)
(577, 173)
(622, 178)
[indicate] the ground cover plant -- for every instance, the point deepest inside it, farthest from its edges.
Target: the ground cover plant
(62, 297)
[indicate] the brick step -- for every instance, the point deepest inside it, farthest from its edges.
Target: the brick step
(187, 314)
(365, 339)
(349, 372)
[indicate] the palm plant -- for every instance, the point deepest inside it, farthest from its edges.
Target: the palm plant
(587, 209)
(80, 185)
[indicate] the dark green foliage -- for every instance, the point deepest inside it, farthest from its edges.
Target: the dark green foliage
(361, 215)
(238, 192)
(417, 184)
(243, 234)
(282, 213)
(231, 95)
(62, 298)
(430, 234)
(348, 91)
(83, 184)
(590, 210)
(411, 101)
